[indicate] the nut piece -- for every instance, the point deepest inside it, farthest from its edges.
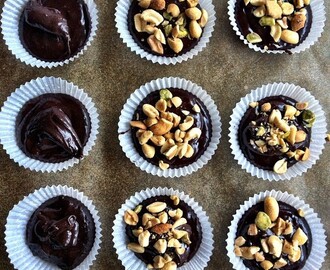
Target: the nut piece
(253, 38)
(175, 44)
(298, 22)
(176, 101)
(164, 166)
(302, 105)
(161, 228)
(273, 9)
(150, 111)
(240, 241)
(280, 263)
(266, 265)
(156, 207)
(138, 22)
(158, 4)
(300, 136)
(287, 8)
(281, 166)
(173, 9)
(161, 246)
(170, 266)
(179, 222)
(271, 208)
(143, 238)
(145, 136)
(195, 29)
(259, 12)
(300, 236)
(266, 107)
(155, 44)
(193, 13)
(253, 230)
(135, 248)
(130, 217)
(162, 127)
(306, 155)
(151, 16)
(301, 212)
(175, 199)
(262, 221)
(204, 18)
(193, 133)
(187, 123)
(192, 3)
(138, 124)
(148, 150)
(144, 3)
(275, 32)
(290, 36)
(275, 246)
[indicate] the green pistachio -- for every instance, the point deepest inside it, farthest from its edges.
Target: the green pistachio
(253, 38)
(308, 118)
(165, 94)
(263, 221)
(167, 16)
(183, 32)
(181, 20)
(267, 21)
(168, 29)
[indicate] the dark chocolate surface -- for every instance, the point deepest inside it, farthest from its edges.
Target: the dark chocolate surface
(248, 23)
(54, 30)
(193, 228)
(201, 120)
(61, 231)
(53, 128)
(287, 213)
(246, 132)
(141, 37)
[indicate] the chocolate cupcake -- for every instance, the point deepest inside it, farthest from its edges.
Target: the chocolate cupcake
(277, 26)
(170, 130)
(273, 137)
(162, 229)
(165, 31)
(275, 230)
(58, 227)
(49, 33)
(52, 128)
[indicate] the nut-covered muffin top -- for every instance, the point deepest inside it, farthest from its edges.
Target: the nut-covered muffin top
(166, 27)
(163, 231)
(171, 128)
(274, 24)
(273, 235)
(275, 133)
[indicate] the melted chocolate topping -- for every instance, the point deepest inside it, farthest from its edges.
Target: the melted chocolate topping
(201, 120)
(287, 213)
(141, 37)
(53, 128)
(247, 132)
(193, 227)
(54, 30)
(61, 231)
(248, 23)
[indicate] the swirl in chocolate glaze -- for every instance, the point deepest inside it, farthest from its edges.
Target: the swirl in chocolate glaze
(193, 227)
(53, 128)
(54, 30)
(287, 213)
(248, 23)
(201, 120)
(61, 231)
(247, 132)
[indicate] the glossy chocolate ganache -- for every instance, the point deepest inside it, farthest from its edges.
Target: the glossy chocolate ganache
(171, 226)
(285, 245)
(165, 27)
(53, 128)
(190, 109)
(274, 27)
(54, 30)
(61, 231)
(265, 140)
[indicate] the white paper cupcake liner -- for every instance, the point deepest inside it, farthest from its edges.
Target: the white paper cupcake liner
(319, 129)
(127, 113)
(10, 18)
(318, 251)
(318, 22)
(19, 253)
(121, 16)
(15, 102)
(127, 257)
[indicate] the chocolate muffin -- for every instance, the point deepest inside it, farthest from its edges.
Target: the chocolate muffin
(273, 235)
(275, 133)
(171, 128)
(166, 27)
(54, 30)
(274, 25)
(61, 231)
(163, 231)
(53, 128)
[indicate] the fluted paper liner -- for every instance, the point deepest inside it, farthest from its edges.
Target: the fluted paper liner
(19, 253)
(318, 251)
(317, 26)
(121, 18)
(15, 102)
(125, 135)
(10, 19)
(318, 130)
(127, 257)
